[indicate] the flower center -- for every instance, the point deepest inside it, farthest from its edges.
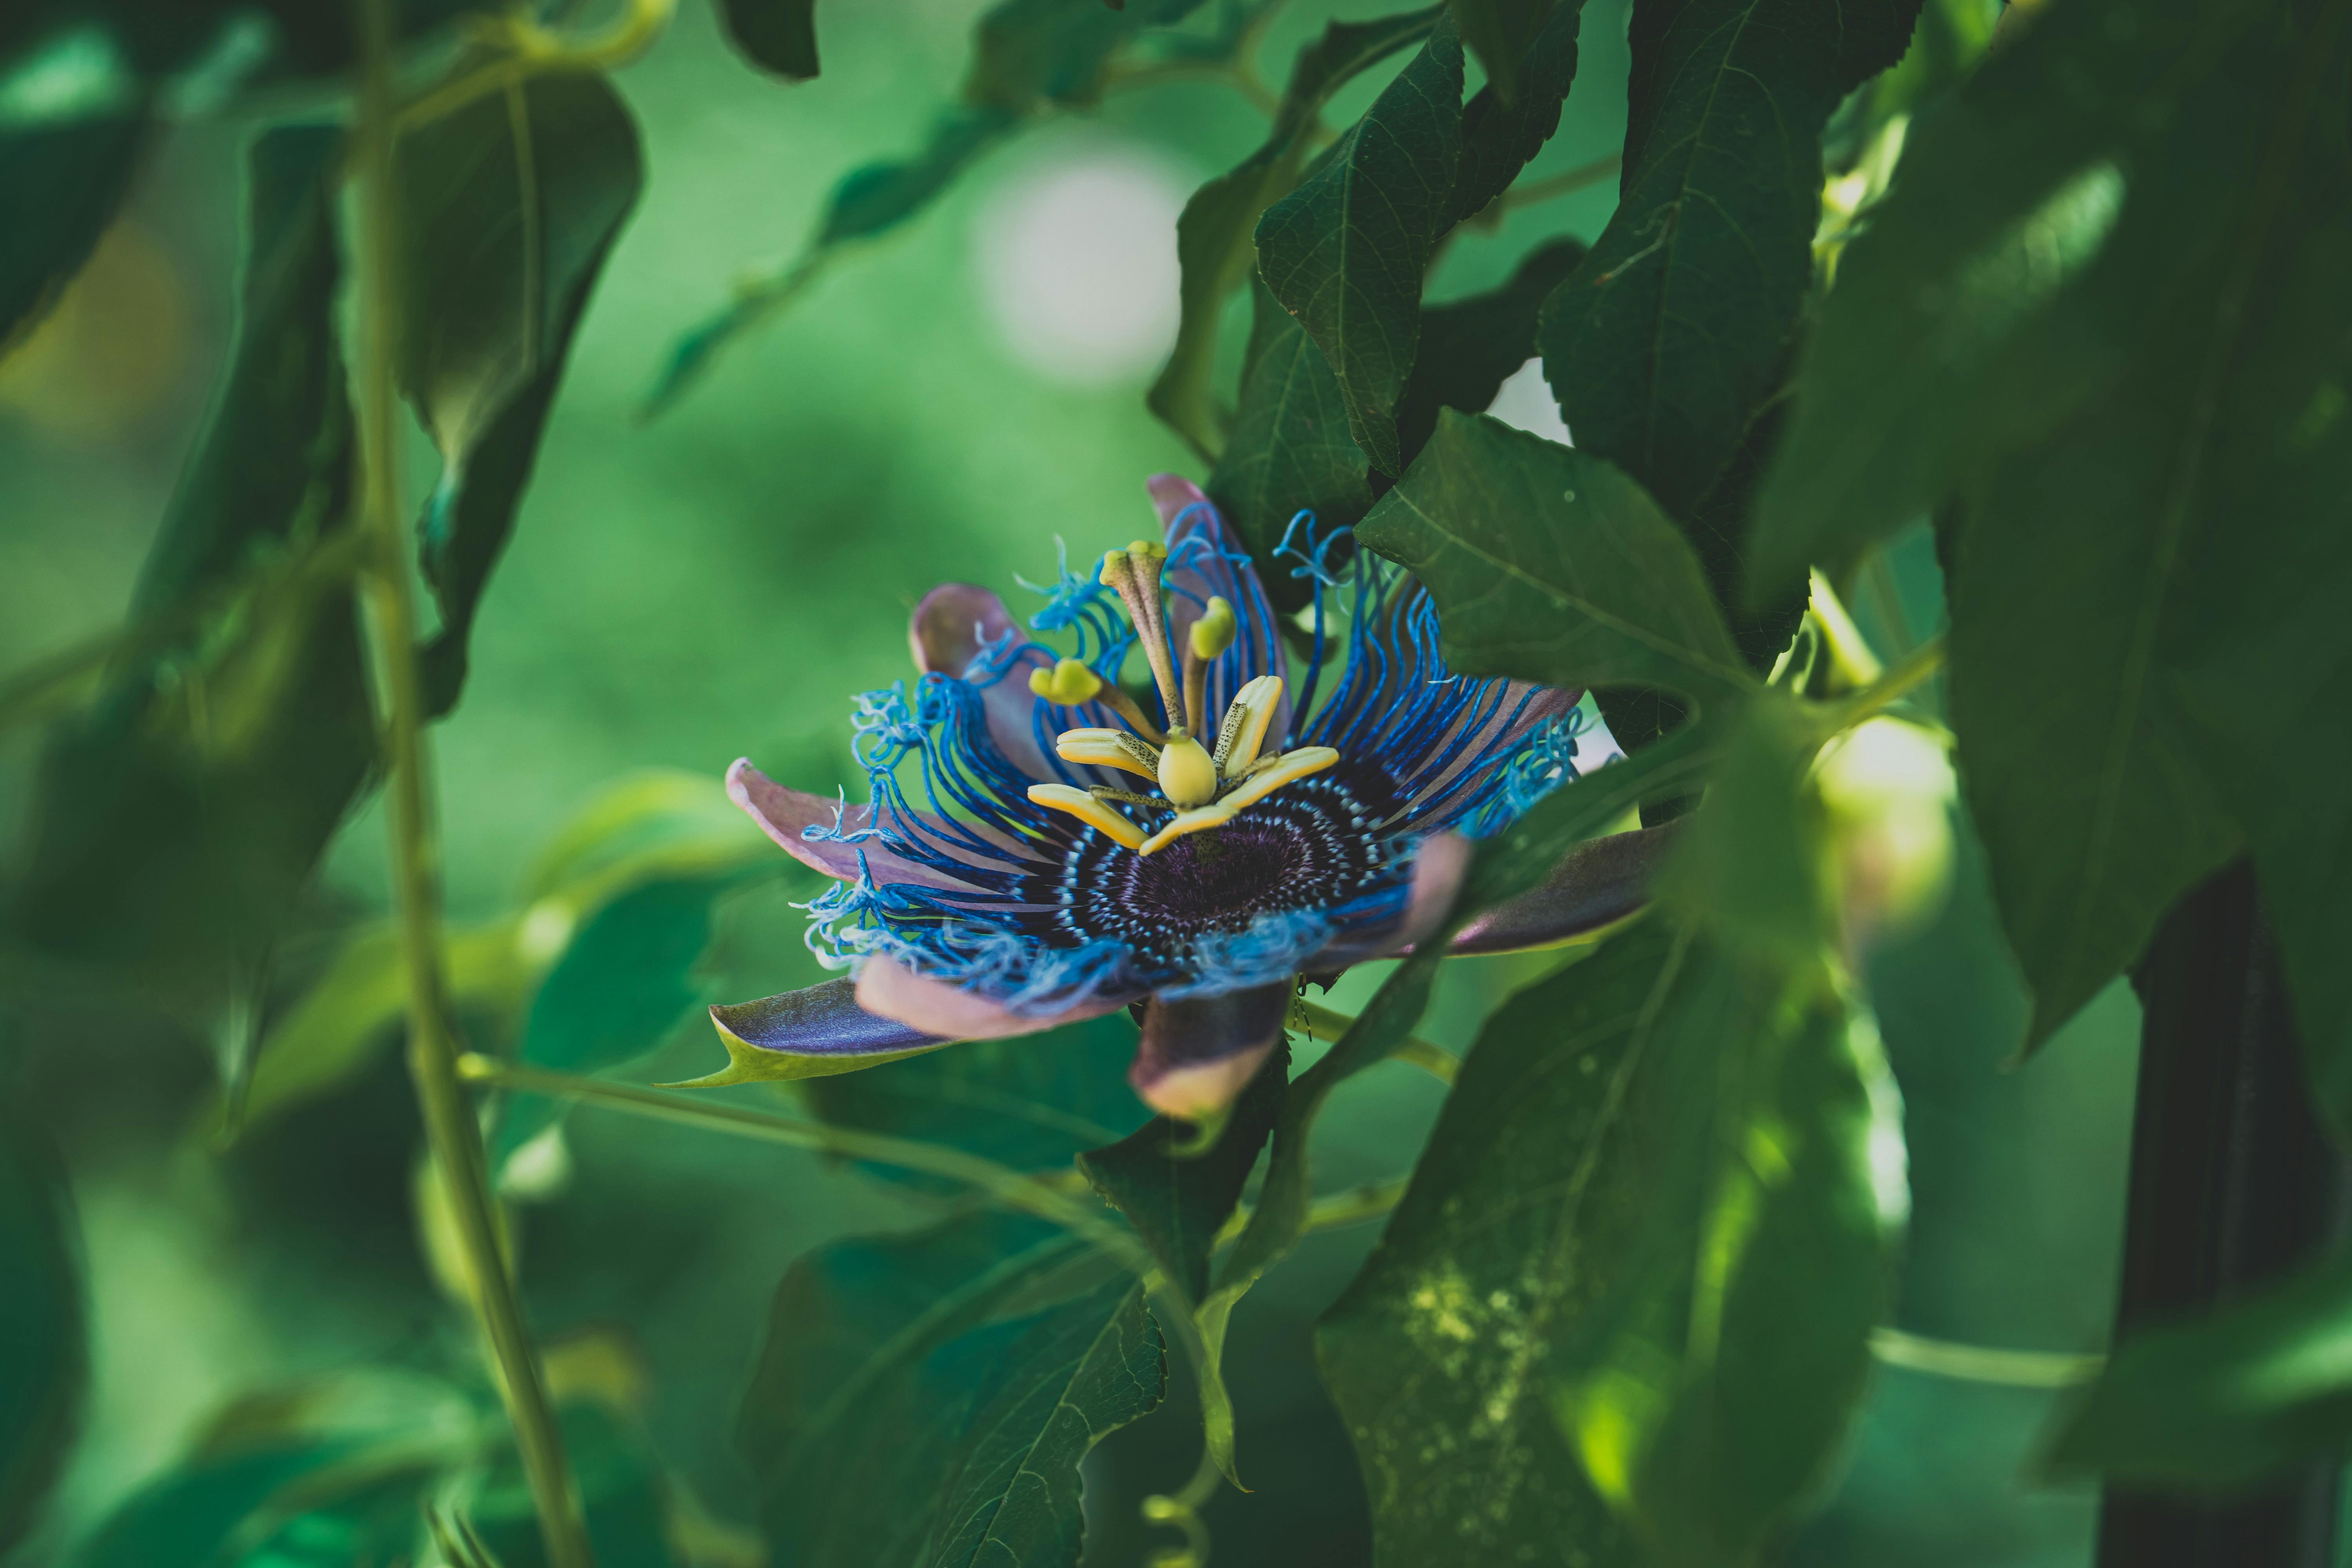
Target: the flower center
(1206, 789)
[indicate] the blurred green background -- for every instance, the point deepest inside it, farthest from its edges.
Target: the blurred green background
(719, 583)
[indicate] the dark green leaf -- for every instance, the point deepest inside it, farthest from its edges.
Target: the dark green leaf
(1177, 1203)
(1500, 133)
(924, 1400)
(1470, 347)
(2221, 1400)
(177, 820)
(509, 205)
(1499, 32)
(778, 35)
(1345, 252)
(621, 986)
(1550, 564)
(1033, 1103)
(59, 187)
(1213, 237)
(1660, 1325)
(1291, 450)
(1948, 44)
(1671, 336)
(42, 1342)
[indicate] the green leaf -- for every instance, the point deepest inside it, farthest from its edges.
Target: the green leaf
(1658, 1330)
(778, 35)
(177, 820)
(1470, 347)
(509, 205)
(59, 187)
(1499, 32)
(1670, 338)
(624, 981)
(1179, 1201)
(1214, 247)
(1502, 131)
(43, 1343)
(2219, 1402)
(188, 1518)
(1033, 1103)
(924, 1400)
(1345, 252)
(1550, 564)
(2155, 413)
(1290, 449)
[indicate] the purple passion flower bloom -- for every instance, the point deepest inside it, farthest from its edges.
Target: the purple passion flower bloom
(1041, 847)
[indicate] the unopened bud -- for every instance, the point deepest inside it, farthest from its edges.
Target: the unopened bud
(1888, 788)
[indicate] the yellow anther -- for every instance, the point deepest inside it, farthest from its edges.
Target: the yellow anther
(1096, 813)
(1185, 822)
(1109, 749)
(1115, 569)
(1242, 735)
(1069, 683)
(1214, 631)
(1288, 768)
(1188, 775)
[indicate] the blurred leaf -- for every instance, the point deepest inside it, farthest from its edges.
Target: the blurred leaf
(1550, 564)
(509, 205)
(43, 1344)
(2114, 401)
(924, 1400)
(376, 1524)
(623, 1497)
(1950, 43)
(1213, 237)
(1499, 32)
(1470, 347)
(1657, 1331)
(1178, 1202)
(2218, 1402)
(777, 35)
(1345, 252)
(1500, 132)
(176, 822)
(59, 187)
(1290, 449)
(1033, 1103)
(624, 983)
(188, 1517)
(1670, 337)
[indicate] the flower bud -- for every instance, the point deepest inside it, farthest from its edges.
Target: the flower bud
(1887, 787)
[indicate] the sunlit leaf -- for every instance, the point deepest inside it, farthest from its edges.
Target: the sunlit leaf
(777, 35)
(510, 205)
(1653, 1336)
(1345, 252)
(924, 1400)
(1670, 338)
(42, 1339)
(177, 820)
(1552, 566)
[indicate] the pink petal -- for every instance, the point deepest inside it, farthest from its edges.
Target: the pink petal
(889, 989)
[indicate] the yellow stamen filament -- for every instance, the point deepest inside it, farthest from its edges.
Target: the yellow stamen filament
(1109, 749)
(1187, 777)
(1243, 732)
(1186, 821)
(1288, 768)
(1096, 813)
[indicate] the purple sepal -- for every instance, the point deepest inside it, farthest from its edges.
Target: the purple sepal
(1198, 1054)
(1596, 883)
(823, 1020)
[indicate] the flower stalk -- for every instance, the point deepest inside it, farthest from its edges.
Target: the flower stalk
(450, 1126)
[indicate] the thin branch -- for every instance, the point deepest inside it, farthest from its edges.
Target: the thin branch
(1566, 183)
(450, 1126)
(1978, 1364)
(1328, 1025)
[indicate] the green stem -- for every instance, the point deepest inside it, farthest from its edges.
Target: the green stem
(450, 1127)
(1977, 1364)
(1328, 1025)
(1912, 671)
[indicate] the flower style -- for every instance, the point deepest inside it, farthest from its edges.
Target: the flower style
(1075, 853)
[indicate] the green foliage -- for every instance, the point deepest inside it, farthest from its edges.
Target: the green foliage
(2106, 401)
(924, 1400)
(1345, 252)
(2218, 1403)
(1499, 32)
(509, 205)
(42, 1350)
(1669, 341)
(1658, 1329)
(777, 35)
(1178, 1199)
(59, 187)
(178, 818)
(1470, 347)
